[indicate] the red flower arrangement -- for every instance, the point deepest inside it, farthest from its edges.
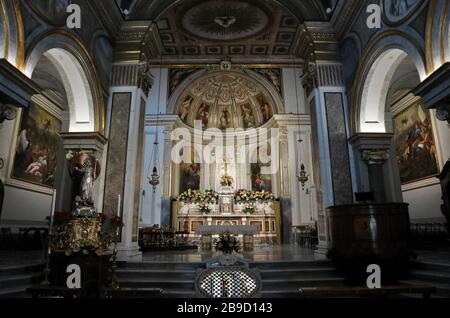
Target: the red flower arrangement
(117, 221)
(103, 217)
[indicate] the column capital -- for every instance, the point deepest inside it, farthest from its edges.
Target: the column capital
(375, 156)
(88, 141)
(132, 74)
(371, 141)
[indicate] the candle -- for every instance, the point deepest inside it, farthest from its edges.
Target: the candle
(53, 210)
(118, 205)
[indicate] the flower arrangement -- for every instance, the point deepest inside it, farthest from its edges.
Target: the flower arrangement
(187, 196)
(242, 196)
(264, 196)
(226, 181)
(193, 196)
(204, 208)
(211, 196)
(227, 243)
(249, 207)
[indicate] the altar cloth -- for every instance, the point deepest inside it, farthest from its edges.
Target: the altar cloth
(232, 229)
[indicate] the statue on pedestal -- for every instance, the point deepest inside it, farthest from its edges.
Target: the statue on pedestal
(85, 169)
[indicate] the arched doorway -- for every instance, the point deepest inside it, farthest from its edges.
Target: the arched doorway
(389, 110)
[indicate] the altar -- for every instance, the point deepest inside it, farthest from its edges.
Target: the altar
(227, 210)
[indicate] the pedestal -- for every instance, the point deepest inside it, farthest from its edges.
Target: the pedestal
(206, 242)
(249, 245)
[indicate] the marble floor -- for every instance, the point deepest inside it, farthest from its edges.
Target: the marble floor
(10, 259)
(260, 254)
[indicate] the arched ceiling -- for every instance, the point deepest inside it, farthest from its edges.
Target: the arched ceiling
(225, 100)
(204, 30)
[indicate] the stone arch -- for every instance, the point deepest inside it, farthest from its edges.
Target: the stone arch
(78, 75)
(374, 78)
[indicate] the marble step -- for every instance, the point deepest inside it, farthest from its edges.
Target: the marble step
(18, 291)
(19, 280)
(432, 265)
(431, 276)
(272, 265)
(298, 273)
(167, 266)
(165, 284)
(125, 274)
(6, 271)
(297, 283)
(442, 289)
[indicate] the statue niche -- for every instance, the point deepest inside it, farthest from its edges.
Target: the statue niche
(84, 170)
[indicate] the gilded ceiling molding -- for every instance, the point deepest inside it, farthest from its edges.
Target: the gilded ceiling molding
(6, 30)
(443, 32)
(429, 37)
(88, 66)
(20, 55)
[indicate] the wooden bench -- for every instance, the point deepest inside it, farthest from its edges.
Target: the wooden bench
(320, 292)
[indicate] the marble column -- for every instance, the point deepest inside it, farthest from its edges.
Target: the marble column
(376, 166)
(130, 85)
(324, 85)
(375, 159)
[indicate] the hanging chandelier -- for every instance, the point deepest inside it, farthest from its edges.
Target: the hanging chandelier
(154, 178)
(302, 176)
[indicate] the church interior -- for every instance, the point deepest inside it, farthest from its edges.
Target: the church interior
(224, 148)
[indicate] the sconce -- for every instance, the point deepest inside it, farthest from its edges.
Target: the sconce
(302, 176)
(154, 181)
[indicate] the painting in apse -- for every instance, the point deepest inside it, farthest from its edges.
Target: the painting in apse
(260, 182)
(415, 144)
(266, 110)
(185, 108)
(247, 116)
(224, 119)
(190, 176)
(203, 115)
(272, 75)
(37, 147)
(177, 76)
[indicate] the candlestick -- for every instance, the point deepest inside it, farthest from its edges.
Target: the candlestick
(52, 215)
(118, 205)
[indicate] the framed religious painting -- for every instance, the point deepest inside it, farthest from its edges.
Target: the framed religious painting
(396, 12)
(37, 147)
(189, 176)
(415, 144)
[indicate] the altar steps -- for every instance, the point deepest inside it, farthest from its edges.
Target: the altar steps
(14, 280)
(279, 279)
(431, 273)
